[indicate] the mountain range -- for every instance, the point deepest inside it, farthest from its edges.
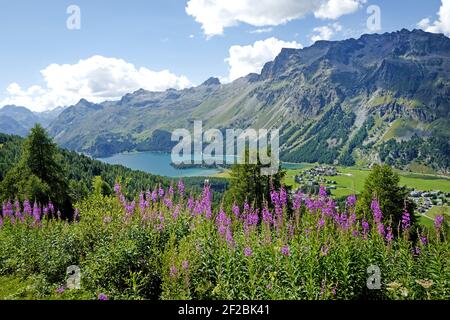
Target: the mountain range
(379, 98)
(18, 121)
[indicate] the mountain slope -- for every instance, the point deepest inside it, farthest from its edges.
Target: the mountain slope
(336, 101)
(19, 120)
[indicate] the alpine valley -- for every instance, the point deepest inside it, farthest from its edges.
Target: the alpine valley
(379, 98)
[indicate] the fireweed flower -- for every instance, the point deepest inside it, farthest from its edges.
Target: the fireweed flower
(60, 290)
(248, 252)
(181, 188)
(173, 271)
(274, 197)
(36, 213)
(185, 265)
(380, 229)
(424, 240)
(389, 235)
(406, 220)
(285, 251)
(206, 201)
(27, 208)
(235, 210)
(438, 221)
(117, 188)
(297, 201)
(155, 196)
(171, 191)
(161, 192)
(168, 203)
(283, 197)
(190, 203)
(7, 209)
(321, 223)
(229, 237)
(416, 251)
(365, 227)
(323, 192)
(351, 201)
(267, 216)
(176, 212)
(324, 251)
(103, 297)
(376, 210)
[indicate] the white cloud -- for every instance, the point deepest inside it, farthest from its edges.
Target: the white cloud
(96, 79)
(442, 24)
(333, 9)
(325, 32)
(262, 30)
(251, 58)
(215, 15)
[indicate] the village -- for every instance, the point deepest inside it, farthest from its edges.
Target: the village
(311, 179)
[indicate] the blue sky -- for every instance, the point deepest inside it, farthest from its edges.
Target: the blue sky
(161, 35)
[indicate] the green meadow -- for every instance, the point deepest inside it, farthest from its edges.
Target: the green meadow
(351, 180)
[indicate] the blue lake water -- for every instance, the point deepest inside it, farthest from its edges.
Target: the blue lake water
(158, 163)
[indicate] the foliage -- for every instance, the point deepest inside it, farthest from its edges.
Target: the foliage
(383, 184)
(169, 245)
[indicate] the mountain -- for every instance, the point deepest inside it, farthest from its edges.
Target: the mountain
(19, 120)
(379, 98)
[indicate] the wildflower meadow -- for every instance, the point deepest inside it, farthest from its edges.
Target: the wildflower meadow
(167, 244)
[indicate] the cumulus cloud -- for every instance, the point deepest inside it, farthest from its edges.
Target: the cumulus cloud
(251, 58)
(325, 32)
(442, 24)
(333, 9)
(96, 79)
(216, 15)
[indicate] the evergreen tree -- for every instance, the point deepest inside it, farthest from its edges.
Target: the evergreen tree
(383, 184)
(38, 176)
(248, 184)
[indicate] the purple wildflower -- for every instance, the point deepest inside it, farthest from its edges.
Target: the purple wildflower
(283, 197)
(235, 210)
(406, 220)
(297, 201)
(376, 210)
(60, 290)
(424, 240)
(185, 265)
(171, 191)
(161, 192)
(438, 222)
(117, 188)
(380, 229)
(351, 201)
(248, 252)
(323, 192)
(27, 208)
(173, 271)
(103, 297)
(267, 216)
(389, 235)
(181, 188)
(285, 251)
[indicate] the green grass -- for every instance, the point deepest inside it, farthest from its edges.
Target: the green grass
(15, 288)
(352, 181)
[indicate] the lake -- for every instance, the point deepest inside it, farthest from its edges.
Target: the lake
(158, 163)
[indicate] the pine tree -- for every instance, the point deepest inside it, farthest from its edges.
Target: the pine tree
(248, 184)
(383, 184)
(38, 176)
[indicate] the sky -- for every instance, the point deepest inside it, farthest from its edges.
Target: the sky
(55, 52)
